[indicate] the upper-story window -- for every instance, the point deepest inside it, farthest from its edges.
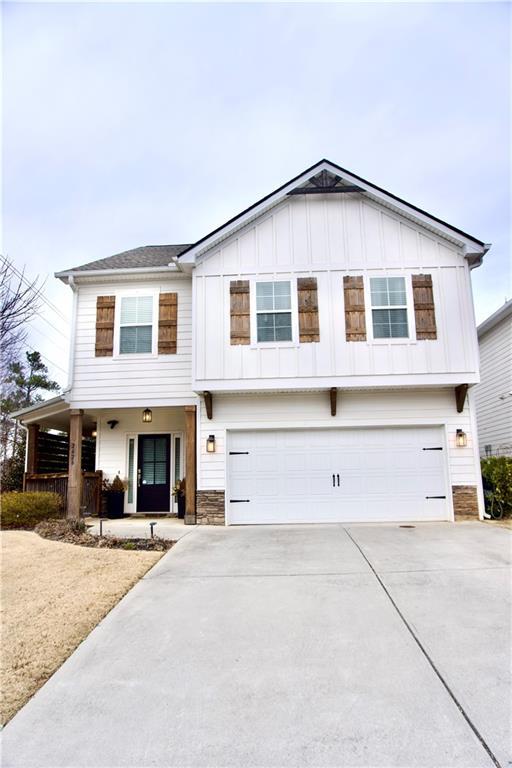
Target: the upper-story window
(136, 325)
(389, 308)
(274, 311)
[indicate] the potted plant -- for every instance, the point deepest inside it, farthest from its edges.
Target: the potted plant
(114, 496)
(179, 495)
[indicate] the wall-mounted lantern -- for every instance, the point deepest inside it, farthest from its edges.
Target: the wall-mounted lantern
(147, 416)
(210, 444)
(461, 439)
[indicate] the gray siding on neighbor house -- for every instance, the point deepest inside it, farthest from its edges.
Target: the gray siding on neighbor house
(492, 398)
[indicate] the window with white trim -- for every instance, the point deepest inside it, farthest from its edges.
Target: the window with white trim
(136, 325)
(274, 311)
(389, 308)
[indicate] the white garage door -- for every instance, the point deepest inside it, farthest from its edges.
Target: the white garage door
(335, 475)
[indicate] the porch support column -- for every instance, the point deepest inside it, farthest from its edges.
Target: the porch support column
(190, 445)
(33, 433)
(75, 464)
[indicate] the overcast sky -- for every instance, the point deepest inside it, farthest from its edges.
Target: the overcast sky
(132, 124)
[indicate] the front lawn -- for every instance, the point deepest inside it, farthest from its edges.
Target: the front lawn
(53, 595)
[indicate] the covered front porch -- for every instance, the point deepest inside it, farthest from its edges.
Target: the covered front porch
(75, 452)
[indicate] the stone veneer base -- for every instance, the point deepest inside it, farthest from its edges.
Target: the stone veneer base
(210, 508)
(465, 500)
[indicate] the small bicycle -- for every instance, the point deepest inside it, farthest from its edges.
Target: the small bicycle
(493, 505)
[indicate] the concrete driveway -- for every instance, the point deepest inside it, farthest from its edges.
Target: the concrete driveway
(276, 646)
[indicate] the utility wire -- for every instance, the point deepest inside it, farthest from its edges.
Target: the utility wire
(41, 296)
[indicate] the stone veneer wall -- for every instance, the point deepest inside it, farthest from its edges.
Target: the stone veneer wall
(465, 500)
(210, 507)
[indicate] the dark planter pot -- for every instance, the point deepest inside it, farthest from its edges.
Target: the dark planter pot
(181, 505)
(115, 503)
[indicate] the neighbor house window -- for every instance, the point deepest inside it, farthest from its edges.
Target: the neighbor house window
(389, 308)
(274, 311)
(136, 326)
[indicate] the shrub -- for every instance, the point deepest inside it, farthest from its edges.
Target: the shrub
(497, 472)
(25, 510)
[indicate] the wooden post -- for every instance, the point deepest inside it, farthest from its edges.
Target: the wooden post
(190, 446)
(75, 465)
(33, 434)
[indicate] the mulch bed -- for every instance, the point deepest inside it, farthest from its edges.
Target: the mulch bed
(76, 533)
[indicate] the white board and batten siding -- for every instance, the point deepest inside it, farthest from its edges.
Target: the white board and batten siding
(492, 396)
(131, 380)
(394, 409)
(329, 238)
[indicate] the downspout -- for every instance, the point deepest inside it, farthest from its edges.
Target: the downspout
(71, 359)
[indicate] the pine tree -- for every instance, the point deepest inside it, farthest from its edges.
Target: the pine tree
(22, 385)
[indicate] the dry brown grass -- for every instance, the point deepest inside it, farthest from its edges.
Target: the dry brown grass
(53, 595)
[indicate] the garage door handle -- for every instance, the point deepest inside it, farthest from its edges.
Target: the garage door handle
(431, 449)
(239, 501)
(435, 497)
(333, 481)
(338, 479)
(239, 453)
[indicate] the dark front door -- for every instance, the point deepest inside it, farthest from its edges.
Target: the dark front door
(153, 482)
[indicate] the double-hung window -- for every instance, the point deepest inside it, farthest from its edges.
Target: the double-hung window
(136, 325)
(389, 308)
(274, 311)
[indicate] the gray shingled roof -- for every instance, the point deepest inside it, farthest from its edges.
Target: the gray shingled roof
(145, 256)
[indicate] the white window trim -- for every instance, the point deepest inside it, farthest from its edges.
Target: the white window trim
(407, 340)
(155, 294)
(255, 344)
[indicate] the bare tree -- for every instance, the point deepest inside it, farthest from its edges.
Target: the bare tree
(19, 300)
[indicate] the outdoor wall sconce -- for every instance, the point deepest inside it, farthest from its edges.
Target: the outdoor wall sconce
(461, 439)
(210, 444)
(112, 423)
(147, 416)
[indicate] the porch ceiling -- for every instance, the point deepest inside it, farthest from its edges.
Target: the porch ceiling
(52, 414)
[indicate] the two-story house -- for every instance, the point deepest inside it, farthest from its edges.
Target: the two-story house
(493, 396)
(310, 360)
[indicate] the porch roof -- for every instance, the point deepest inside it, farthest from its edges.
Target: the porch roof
(51, 414)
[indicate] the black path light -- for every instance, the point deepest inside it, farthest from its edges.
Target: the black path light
(152, 525)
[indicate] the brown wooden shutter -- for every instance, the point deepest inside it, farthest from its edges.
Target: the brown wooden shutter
(240, 309)
(355, 322)
(168, 324)
(105, 311)
(424, 309)
(307, 296)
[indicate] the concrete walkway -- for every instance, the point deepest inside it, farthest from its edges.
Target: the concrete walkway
(138, 527)
(292, 646)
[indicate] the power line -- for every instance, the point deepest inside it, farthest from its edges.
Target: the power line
(40, 295)
(47, 359)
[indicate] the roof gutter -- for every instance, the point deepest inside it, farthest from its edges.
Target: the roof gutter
(76, 273)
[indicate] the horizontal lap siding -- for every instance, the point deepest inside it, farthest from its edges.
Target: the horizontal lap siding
(147, 380)
(310, 410)
(495, 415)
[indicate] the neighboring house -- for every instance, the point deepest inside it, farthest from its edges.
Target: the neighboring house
(310, 360)
(493, 396)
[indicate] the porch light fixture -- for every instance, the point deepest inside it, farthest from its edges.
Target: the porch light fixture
(461, 439)
(147, 416)
(210, 444)
(94, 433)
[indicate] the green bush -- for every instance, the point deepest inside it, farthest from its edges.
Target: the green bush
(25, 510)
(497, 471)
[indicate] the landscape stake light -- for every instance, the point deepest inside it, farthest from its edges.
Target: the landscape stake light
(152, 525)
(210, 444)
(147, 416)
(461, 439)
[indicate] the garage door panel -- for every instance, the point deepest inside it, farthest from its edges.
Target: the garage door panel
(384, 474)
